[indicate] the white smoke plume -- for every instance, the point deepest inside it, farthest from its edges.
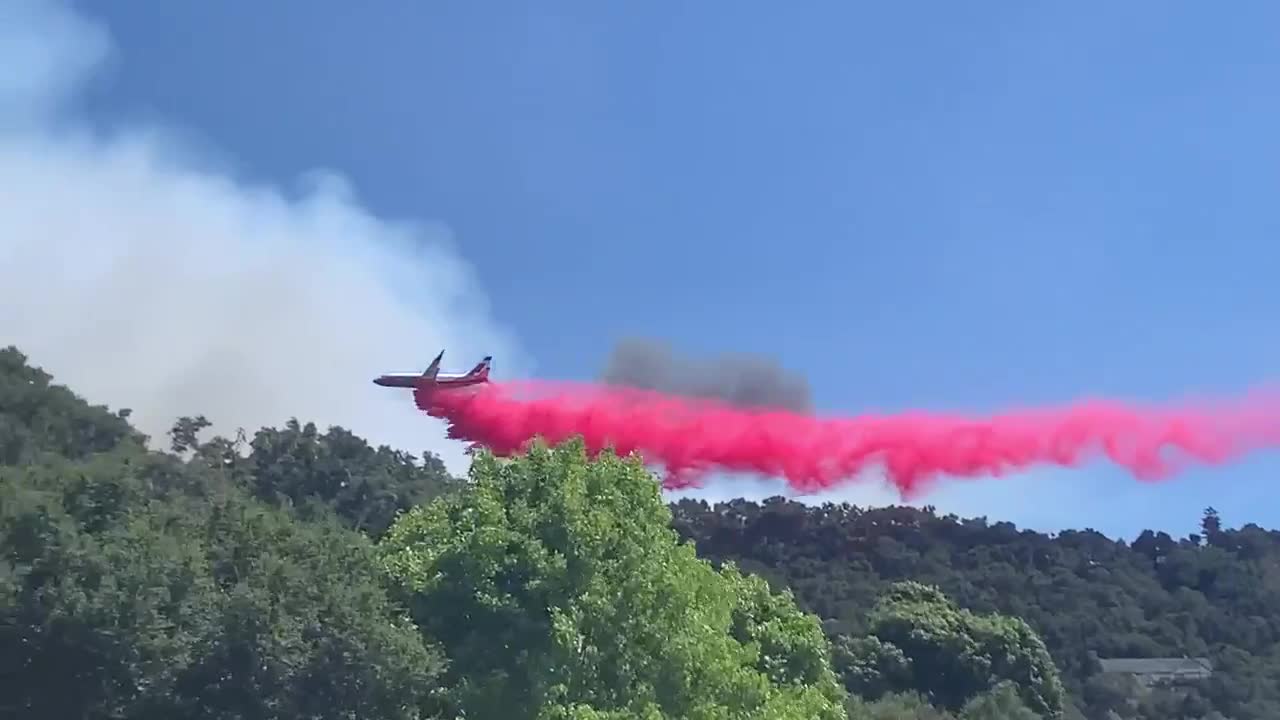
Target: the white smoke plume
(145, 278)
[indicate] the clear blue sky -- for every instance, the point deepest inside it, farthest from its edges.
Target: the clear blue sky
(918, 205)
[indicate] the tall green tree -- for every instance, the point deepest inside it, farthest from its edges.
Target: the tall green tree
(559, 590)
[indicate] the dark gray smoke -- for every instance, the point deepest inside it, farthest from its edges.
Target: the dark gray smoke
(740, 379)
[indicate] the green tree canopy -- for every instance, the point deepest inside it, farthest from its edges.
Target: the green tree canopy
(135, 585)
(38, 416)
(559, 590)
(920, 641)
(365, 486)
(1000, 703)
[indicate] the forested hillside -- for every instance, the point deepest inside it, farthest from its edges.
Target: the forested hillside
(296, 573)
(1215, 594)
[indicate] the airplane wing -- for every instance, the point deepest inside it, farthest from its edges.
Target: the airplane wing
(434, 368)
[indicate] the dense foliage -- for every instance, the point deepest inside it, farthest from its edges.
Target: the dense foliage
(1215, 594)
(133, 584)
(300, 573)
(563, 593)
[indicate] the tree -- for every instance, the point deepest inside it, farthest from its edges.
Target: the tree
(366, 487)
(921, 641)
(1000, 703)
(896, 706)
(184, 436)
(559, 590)
(37, 416)
(1003, 702)
(1211, 525)
(124, 595)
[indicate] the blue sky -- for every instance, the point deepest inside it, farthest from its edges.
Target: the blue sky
(943, 206)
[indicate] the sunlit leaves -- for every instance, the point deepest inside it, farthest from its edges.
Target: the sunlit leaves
(559, 590)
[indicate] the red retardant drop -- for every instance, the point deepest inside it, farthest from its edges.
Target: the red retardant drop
(690, 437)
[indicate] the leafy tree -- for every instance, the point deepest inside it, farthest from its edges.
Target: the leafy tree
(1000, 703)
(1211, 525)
(559, 590)
(37, 416)
(184, 436)
(1003, 702)
(871, 667)
(895, 706)
(123, 595)
(364, 486)
(921, 641)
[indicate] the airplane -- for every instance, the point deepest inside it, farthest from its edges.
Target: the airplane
(433, 379)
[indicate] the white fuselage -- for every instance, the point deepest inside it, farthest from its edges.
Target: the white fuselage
(409, 380)
(434, 378)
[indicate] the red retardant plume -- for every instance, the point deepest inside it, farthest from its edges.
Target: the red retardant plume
(690, 437)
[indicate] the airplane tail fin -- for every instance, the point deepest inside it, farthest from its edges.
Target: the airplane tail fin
(481, 370)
